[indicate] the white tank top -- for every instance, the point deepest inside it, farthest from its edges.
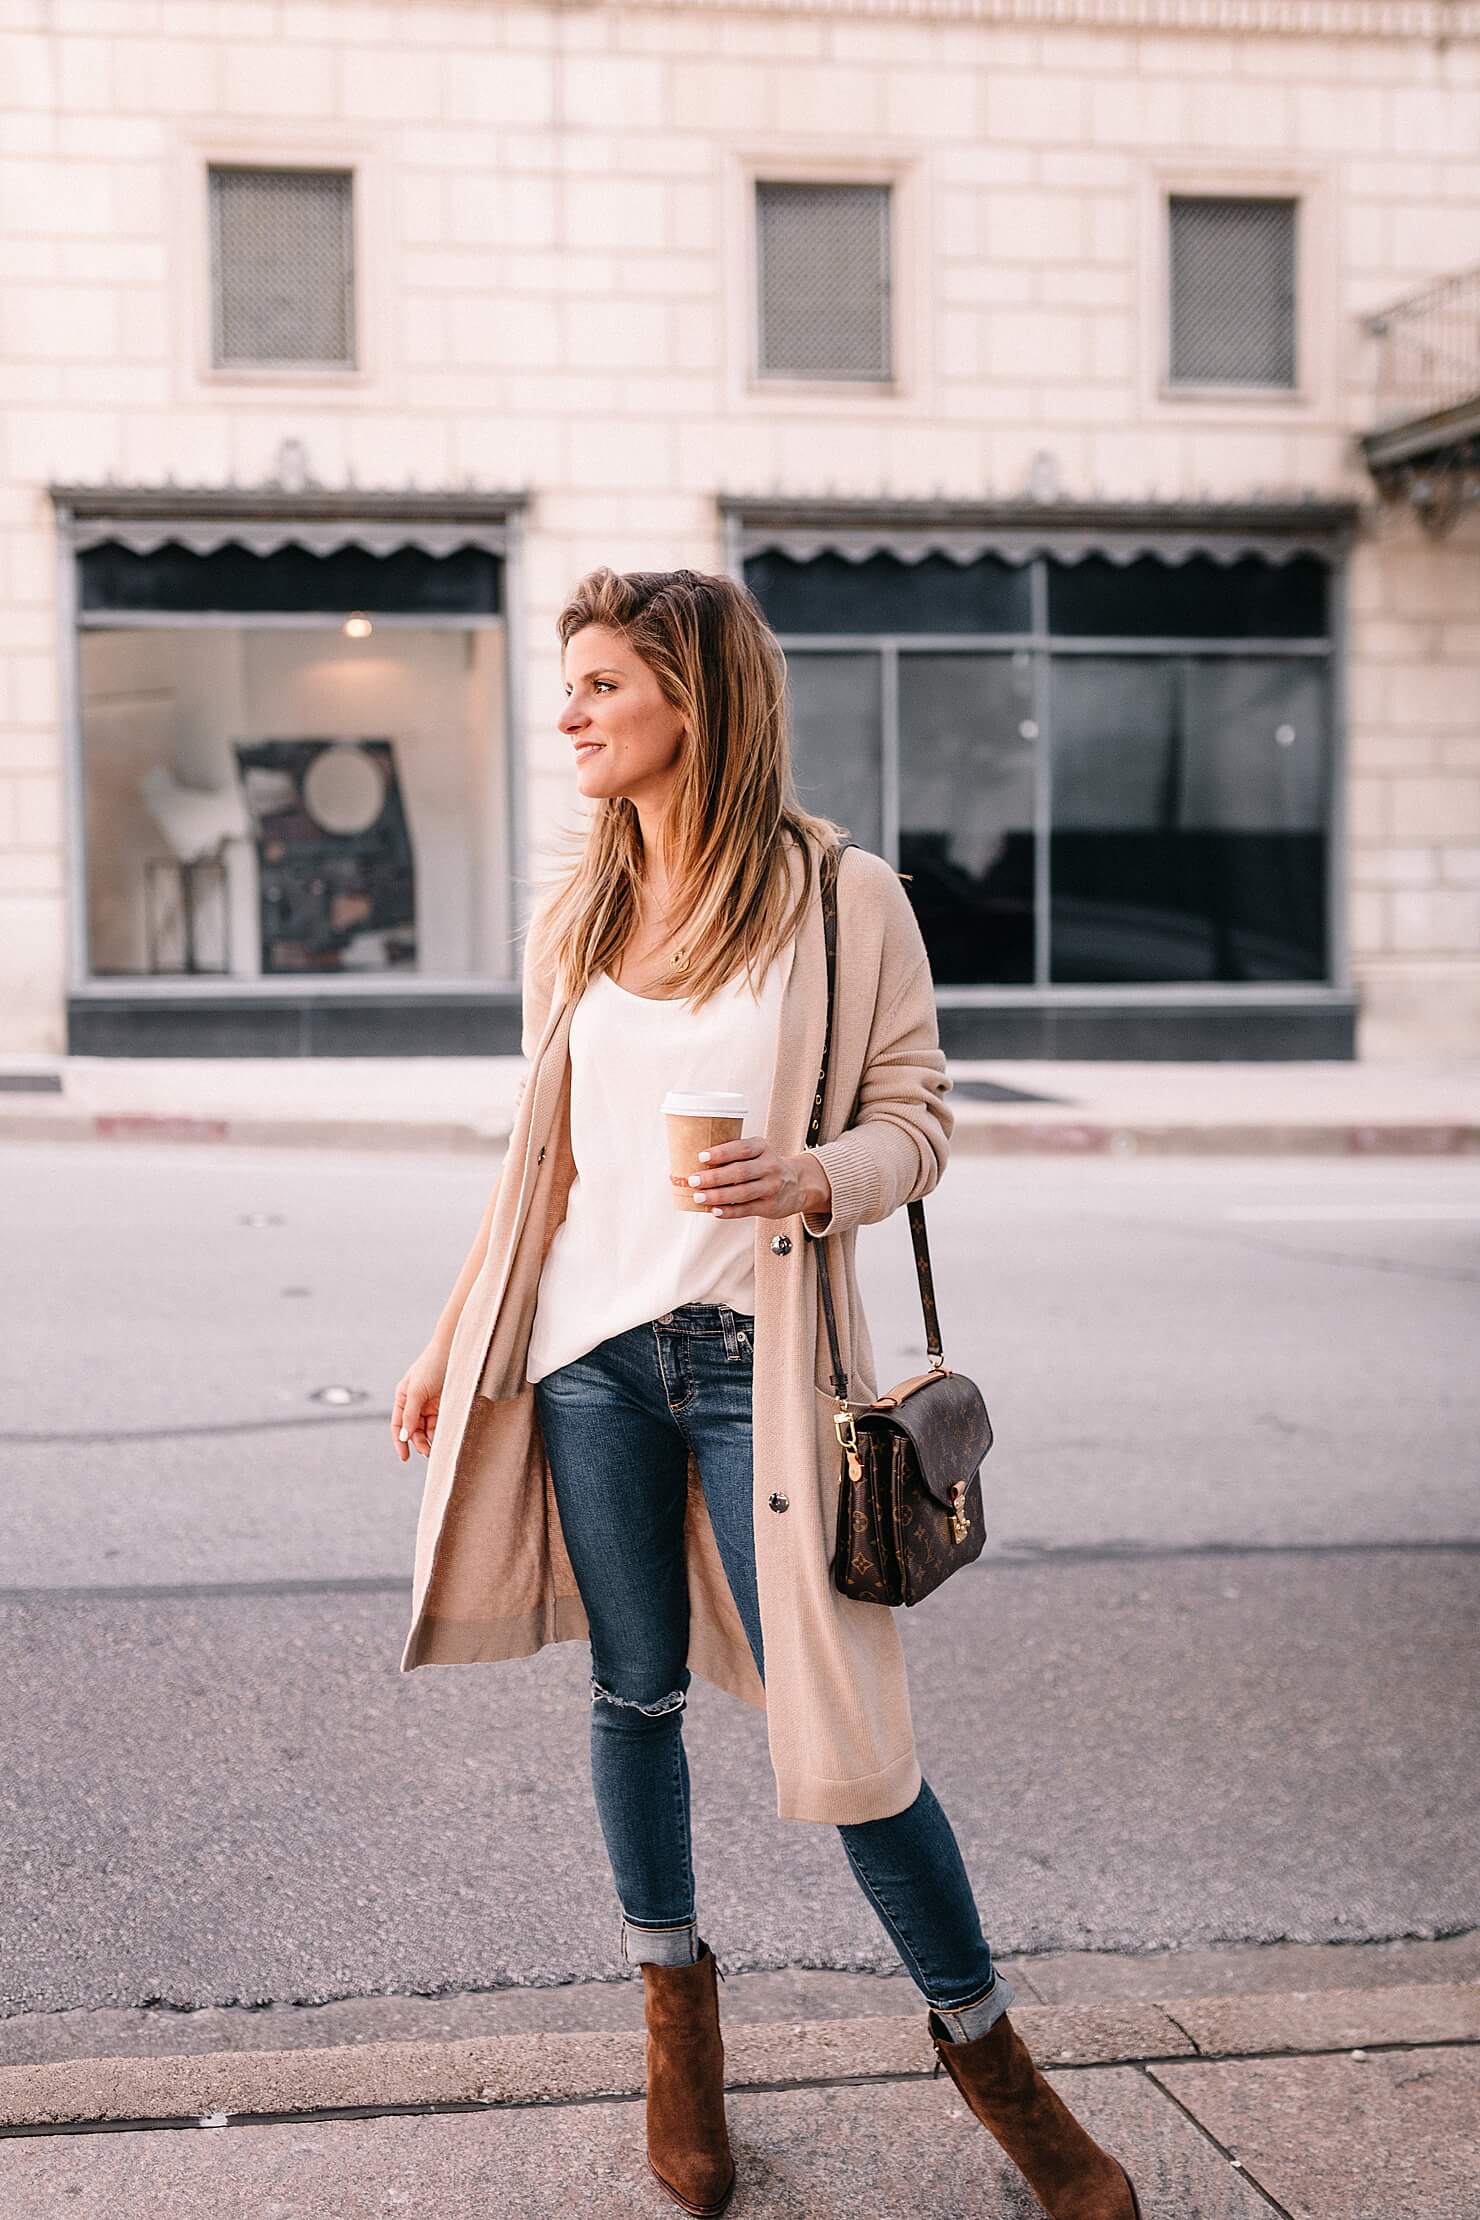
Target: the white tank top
(623, 1254)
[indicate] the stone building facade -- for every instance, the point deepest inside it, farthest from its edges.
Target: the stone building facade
(1088, 391)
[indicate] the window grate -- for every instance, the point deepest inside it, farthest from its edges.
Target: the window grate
(824, 280)
(282, 254)
(1232, 291)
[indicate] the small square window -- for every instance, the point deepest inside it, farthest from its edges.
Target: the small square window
(822, 260)
(282, 266)
(1232, 291)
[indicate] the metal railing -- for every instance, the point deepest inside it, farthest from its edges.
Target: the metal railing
(1429, 352)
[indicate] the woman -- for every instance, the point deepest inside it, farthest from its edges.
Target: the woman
(585, 1403)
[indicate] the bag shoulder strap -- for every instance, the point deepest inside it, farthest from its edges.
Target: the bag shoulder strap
(916, 1210)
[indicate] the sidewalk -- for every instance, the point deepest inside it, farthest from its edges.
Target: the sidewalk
(1429, 1108)
(1336, 2083)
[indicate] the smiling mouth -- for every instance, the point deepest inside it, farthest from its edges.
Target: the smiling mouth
(589, 747)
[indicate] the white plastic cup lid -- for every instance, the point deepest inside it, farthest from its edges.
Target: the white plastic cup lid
(714, 1104)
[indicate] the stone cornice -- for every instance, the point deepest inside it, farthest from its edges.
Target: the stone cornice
(1436, 21)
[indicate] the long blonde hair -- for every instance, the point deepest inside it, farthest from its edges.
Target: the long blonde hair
(734, 800)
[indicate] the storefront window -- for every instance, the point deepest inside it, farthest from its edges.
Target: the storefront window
(836, 730)
(293, 763)
(966, 769)
(405, 582)
(880, 593)
(1199, 597)
(1136, 791)
(1189, 811)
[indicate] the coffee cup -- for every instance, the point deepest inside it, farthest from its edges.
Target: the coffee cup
(697, 1119)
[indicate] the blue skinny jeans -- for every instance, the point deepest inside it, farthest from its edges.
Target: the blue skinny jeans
(618, 1425)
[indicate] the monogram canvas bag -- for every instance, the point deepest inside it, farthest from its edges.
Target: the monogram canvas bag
(909, 1488)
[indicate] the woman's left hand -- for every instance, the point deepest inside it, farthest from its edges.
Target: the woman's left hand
(747, 1179)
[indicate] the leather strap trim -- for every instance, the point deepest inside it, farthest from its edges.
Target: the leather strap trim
(897, 1395)
(916, 1210)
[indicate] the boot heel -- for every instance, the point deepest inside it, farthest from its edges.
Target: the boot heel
(1063, 2165)
(688, 2144)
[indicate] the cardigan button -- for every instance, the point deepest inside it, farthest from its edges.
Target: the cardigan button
(781, 1244)
(780, 1503)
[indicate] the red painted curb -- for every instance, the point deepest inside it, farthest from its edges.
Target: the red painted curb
(158, 1126)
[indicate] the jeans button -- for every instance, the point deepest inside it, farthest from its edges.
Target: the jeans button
(780, 1503)
(781, 1244)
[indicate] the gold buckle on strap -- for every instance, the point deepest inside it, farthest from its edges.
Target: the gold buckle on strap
(847, 1434)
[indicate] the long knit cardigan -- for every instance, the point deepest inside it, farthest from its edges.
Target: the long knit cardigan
(493, 1577)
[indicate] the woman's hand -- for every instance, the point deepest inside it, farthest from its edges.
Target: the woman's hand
(417, 1401)
(747, 1179)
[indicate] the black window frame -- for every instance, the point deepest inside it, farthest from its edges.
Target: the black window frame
(1044, 645)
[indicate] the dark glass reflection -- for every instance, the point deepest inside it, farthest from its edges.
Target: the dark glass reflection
(291, 581)
(1190, 801)
(1200, 599)
(966, 812)
(830, 595)
(836, 732)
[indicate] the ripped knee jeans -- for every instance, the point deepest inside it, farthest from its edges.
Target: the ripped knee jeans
(640, 1776)
(618, 1425)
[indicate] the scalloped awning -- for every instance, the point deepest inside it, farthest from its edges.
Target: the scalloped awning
(205, 519)
(204, 538)
(1017, 532)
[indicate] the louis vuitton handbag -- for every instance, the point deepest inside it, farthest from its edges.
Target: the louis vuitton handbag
(909, 1487)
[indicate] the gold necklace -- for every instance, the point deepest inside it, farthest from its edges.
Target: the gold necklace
(680, 962)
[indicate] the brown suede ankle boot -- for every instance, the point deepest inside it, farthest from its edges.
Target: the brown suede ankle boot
(1069, 2174)
(688, 2143)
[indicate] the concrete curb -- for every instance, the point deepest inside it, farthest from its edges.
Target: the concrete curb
(439, 1137)
(576, 2068)
(1273, 1138)
(974, 1135)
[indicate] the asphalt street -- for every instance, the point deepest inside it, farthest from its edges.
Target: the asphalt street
(1215, 1681)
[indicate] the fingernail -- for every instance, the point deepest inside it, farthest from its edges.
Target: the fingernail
(694, 1178)
(703, 1156)
(404, 1435)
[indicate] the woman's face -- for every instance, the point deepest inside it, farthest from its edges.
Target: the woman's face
(625, 736)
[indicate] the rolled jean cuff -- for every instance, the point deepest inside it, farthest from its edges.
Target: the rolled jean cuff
(674, 1945)
(964, 2022)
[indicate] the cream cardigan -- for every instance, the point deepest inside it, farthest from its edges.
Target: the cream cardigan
(492, 1578)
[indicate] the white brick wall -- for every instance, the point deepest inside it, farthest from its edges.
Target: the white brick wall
(555, 270)
(1414, 790)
